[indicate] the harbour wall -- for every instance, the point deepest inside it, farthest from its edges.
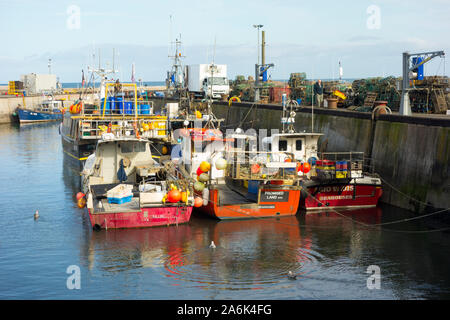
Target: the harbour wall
(9, 104)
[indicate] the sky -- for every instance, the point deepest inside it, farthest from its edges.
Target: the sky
(368, 37)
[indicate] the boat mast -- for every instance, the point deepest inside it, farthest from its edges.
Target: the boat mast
(102, 73)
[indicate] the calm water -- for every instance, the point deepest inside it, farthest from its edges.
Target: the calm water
(330, 254)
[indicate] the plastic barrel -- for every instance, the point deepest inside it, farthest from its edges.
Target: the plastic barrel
(145, 109)
(128, 107)
(107, 106)
(119, 105)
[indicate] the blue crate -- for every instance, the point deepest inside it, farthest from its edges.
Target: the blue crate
(120, 200)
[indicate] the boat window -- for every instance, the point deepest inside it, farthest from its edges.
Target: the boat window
(126, 148)
(282, 145)
(139, 147)
(298, 145)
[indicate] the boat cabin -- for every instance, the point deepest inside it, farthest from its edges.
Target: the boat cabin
(302, 145)
(115, 159)
(54, 106)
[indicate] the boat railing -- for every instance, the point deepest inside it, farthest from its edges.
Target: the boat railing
(141, 127)
(339, 165)
(261, 165)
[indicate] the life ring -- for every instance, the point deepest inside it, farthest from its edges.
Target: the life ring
(235, 98)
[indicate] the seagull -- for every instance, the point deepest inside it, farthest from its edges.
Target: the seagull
(36, 215)
(212, 245)
(292, 276)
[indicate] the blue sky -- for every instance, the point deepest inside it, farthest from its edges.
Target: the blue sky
(301, 36)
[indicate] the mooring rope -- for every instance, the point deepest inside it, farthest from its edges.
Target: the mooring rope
(352, 220)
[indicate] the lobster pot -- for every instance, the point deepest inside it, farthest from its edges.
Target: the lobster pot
(341, 169)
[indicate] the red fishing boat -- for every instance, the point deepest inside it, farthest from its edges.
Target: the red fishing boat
(329, 179)
(126, 188)
(238, 182)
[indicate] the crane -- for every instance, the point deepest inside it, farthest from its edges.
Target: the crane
(410, 72)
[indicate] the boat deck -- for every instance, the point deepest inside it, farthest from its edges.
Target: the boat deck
(99, 191)
(131, 206)
(228, 196)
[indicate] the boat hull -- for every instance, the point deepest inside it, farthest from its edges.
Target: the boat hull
(27, 116)
(341, 196)
(145, 217)
(286, 205)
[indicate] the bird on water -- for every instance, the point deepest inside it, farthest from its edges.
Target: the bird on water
(291, 276)
(212, 245)
(36, 215)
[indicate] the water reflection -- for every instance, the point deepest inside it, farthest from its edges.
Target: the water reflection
(249, 254)
(329, 253)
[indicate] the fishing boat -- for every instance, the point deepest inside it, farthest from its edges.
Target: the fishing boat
(48, 110)
(236, 182)
(126, 188)
(329, 179)
(115, 108)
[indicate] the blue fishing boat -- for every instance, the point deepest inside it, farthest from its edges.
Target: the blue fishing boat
(49, 110)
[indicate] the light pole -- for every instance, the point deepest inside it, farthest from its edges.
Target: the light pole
(258, 26)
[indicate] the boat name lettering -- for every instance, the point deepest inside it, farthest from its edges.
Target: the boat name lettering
(266, 206)
(336, 189)
(274, 196)
(335, 197)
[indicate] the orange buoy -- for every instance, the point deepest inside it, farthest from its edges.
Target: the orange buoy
(81, 203)
(174, 196)
(306, 167)
(255, 168)
(205, 166)
(198, 202)
(80, 195)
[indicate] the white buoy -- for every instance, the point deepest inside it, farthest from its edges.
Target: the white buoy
(212, 245)
(36, 215)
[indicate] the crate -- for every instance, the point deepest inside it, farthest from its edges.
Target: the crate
(120, 200)
(121, 193)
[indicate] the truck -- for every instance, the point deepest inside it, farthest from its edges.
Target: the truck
(207, 80)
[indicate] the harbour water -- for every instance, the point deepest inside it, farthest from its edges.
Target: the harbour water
(329, 253)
